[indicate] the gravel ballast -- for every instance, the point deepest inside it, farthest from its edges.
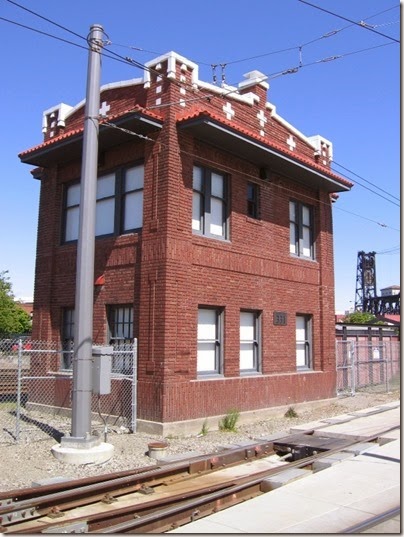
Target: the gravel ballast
(31, 461)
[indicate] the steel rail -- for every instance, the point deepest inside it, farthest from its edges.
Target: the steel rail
(159, 515)
(68, 494)
(373, 521)
(97, 490)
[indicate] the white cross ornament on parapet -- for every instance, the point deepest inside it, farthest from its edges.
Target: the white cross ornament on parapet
(262, 119)
(228, 110)
(105, 108)
(291, 142)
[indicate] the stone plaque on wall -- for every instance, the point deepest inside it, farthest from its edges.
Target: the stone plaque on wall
(280, 318)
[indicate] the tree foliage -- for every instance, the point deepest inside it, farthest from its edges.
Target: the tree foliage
(360, 317)
(13, 319)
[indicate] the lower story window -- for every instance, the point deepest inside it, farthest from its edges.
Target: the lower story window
(249, 341)
(120, 327)
(209, 355)
(67, 337)
(303, 342)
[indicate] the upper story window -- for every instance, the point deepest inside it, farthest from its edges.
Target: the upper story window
(301, 229)
(253, 200)
(209, 206)
(119, 204)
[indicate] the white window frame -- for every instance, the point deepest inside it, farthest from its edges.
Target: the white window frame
(209, 204)
(304, 342)
(113, 206)
(301, 230)
(209, 341)
(250, 341)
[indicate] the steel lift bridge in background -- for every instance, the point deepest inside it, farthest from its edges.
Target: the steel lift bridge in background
(366, 298)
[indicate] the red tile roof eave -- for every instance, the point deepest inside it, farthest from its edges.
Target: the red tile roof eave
(75, 132)
(200, 113)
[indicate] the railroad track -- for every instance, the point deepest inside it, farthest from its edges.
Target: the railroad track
(157, 499)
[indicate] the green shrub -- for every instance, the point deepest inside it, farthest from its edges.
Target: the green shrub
(229, 421)
(291, 413)
(205, 428)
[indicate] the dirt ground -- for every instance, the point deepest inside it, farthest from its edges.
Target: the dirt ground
(31, 460)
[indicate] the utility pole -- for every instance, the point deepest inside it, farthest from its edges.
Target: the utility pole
(83, 335)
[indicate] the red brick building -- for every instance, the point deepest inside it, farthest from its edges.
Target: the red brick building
(214, 242)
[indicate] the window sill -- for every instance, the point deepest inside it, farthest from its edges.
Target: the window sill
(210, 237)
(302, 258)
(250, 373)
(255, 221)
(209, 376)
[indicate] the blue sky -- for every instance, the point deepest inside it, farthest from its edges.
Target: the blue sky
(353, 101)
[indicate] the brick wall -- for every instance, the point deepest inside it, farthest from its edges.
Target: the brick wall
(166, 272)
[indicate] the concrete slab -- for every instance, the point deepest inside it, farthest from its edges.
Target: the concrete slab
(330, 522)
(389, 452)
(342, 495)
(364, 427)
(284, 478)
(269, 513)
(359, 448)
(327, 462)
(346, 418)
(389, 437)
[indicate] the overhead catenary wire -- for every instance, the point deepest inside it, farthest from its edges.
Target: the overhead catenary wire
(360, 24)
(227, 168)
(46, 19)
(389, 251)
(366, 181)
(130, 61)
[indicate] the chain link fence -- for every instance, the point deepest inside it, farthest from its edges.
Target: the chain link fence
(36, 383)
(368, 367)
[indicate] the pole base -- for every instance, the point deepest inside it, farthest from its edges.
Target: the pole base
(83, 455)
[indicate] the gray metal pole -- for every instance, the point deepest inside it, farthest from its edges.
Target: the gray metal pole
(82, 360)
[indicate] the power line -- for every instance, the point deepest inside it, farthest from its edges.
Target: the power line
(373, 192)
(360, 24)
(295, 69)
(46, 19)
(130, 61)
(366, 181)
(270, 53)
(126, 60)
(229, 169)
(43, 33)
(381, 224)
(46, 34)
(389, 251)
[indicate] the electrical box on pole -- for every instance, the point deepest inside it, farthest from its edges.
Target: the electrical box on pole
(102, 368)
